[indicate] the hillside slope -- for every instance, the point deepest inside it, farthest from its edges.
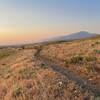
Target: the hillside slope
(24, 77)
(80, 56)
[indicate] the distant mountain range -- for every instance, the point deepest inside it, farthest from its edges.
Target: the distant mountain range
(78, 35)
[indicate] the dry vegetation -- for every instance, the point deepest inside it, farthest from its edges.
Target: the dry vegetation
(80, 56)
(23, 77)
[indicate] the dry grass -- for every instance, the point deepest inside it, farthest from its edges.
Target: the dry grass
(6, 52)
(23, 77)
(27, 73)
(80, 56)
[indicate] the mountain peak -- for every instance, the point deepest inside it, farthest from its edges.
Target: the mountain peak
(83, 32)
(77, 35)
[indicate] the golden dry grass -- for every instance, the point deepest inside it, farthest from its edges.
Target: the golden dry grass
(80, 56)
(23, 77)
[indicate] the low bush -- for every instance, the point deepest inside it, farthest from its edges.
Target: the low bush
(75, 59)
(97, 51)
(44, 66)
(80, 59)
(90, 58)
(17, 91)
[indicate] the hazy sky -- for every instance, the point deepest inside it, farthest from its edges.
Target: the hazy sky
(33, 20)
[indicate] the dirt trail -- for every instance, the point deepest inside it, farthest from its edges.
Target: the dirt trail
(85, 84)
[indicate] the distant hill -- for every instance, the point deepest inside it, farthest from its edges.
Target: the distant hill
(78, 35)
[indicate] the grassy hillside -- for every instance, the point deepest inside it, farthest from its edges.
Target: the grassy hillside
(80, 56)
(24, 77)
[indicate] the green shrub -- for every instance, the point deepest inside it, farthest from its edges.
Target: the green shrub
(97, 51)
(44, 66)
(67, 61)
(76, 59)
(17, 91)
(90, 58)
(80, 59)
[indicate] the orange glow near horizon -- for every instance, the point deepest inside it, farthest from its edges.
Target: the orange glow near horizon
(24, 21)
(18, 35)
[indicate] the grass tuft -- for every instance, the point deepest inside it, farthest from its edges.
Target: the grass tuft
(27, 73)
(17, 91)
(80, 59)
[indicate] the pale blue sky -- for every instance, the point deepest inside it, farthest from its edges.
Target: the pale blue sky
(48, 17)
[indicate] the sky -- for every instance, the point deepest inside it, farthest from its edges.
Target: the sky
(23, 21)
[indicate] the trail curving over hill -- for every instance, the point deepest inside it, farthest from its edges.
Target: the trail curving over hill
(82, 82)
